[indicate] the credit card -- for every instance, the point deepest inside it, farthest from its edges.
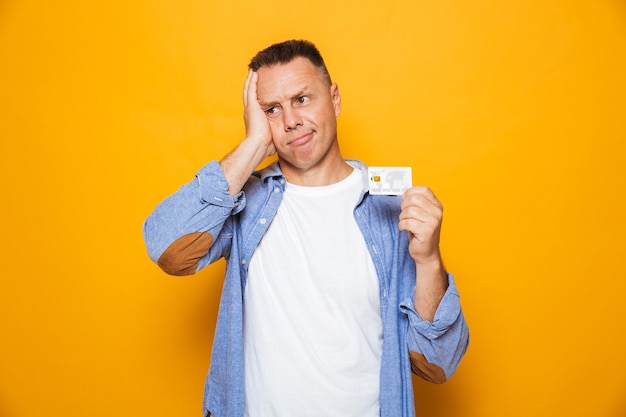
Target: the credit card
(389, 180)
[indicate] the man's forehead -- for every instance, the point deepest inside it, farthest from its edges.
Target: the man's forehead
(286, 79)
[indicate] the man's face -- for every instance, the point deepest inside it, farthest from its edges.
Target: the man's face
(302, 111)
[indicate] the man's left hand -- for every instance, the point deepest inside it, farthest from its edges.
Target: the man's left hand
(421, 217)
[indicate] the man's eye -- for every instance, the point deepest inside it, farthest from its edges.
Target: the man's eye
(302, 99)
(272, 110)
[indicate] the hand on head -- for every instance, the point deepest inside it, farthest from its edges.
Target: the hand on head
(257, 126)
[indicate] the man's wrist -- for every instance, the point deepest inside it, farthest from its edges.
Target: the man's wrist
(433, 269)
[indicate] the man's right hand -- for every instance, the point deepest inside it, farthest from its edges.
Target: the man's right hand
(257, 125)
(258, 144)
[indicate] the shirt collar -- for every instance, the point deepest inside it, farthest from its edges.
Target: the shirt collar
(273, 170)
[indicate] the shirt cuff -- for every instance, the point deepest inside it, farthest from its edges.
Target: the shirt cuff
(213, 188)
(447, 312)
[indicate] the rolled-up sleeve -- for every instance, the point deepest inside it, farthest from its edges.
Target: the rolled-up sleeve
(436, 347)
(181, 232)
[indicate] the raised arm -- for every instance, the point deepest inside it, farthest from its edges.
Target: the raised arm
(181, 232)
(421, 217)
(258, 144)
(439, 336)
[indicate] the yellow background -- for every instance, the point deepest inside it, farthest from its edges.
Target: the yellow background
(512, 111)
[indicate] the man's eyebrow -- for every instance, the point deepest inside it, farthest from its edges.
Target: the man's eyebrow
(301, 92)
(264, 104)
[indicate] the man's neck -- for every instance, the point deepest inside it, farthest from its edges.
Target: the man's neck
(317, 176)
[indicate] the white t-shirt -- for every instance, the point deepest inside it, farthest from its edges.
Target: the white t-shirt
(312, 321)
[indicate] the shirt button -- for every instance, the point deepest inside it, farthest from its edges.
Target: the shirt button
(263, 221)
(243, 262)
(277, 190)
(282, 181)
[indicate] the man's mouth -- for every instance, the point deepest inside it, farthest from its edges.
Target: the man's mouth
(300, 139)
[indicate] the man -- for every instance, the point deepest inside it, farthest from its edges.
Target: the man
(331, 295)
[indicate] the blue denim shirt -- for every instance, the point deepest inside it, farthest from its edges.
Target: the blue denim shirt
(237, 224)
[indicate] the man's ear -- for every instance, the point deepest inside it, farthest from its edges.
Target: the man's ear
(335, 96)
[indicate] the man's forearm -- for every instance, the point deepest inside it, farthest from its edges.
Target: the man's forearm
(431, 284)
(242, 161)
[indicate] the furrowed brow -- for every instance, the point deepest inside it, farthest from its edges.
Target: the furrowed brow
(302, 92)
(265, 103)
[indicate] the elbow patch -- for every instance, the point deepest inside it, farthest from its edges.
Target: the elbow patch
(426, 370)
(182, 256)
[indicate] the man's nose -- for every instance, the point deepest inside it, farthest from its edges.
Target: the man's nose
(292, 119)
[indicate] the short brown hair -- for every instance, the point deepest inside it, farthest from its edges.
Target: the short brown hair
(287, 51)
